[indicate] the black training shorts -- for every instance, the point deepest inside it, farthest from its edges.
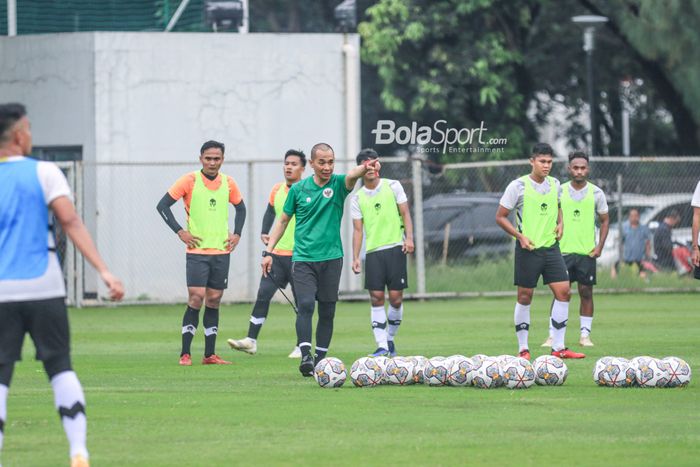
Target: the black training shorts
(46, 321)
(386, 269)
(318, 279)
(209, 271)
(545, 262)
(581, 269)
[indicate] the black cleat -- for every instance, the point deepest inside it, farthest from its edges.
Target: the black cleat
(306, 368)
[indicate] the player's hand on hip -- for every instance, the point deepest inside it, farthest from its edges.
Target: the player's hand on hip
(116, 288)
(266, 265)
(356, 266)
(526, 243)
(265, 239)
(559, 231)
(188, 239)
(408, 246)
(232, 241)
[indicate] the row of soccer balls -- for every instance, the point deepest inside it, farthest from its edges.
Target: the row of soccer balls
(647, 372)
(480, 371)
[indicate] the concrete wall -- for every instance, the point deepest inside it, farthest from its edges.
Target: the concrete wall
(138, 101)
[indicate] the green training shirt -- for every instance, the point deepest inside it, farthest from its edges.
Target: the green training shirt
(579, 222)
(540, 213)
(318, 211)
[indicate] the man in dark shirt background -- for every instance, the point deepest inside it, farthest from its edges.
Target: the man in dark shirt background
(663, 245)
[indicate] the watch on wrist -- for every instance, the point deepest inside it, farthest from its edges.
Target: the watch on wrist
(266, 253)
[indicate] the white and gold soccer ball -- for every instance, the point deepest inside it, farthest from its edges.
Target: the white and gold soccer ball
(487, 374)
(365, 372)
(618, 373)
(330, 373)
(461, 371)
(600, 366)
(518, 373)
(436, 371)
(399, 370)
(550, 370)
(679, 372)
(651, 372)
(419, 363)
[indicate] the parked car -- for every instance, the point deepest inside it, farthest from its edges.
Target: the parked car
(471, 218)
(652, 210)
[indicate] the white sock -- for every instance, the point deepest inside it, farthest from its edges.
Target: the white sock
(379, 326)
(70, 402)
(560, 315)
(586, 325)
(521, 317)
(394, 315)
(3, 410)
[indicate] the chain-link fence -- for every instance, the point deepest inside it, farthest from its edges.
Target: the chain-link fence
(462, 251)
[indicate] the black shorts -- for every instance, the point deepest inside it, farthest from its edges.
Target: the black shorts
(386, 269)
(209, 271)
(581, 269)
(46, 321)
(318, 279)
(545, 262)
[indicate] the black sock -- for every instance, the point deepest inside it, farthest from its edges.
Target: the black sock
(211, 328)
(324, 328)
(304, 325)
(189, 325)
(266, 290)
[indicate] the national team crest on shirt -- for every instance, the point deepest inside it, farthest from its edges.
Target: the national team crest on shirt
(328, 192)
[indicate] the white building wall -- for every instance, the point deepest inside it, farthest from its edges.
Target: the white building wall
(138, 100)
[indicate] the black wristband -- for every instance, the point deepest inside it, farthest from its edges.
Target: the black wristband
(266, 253)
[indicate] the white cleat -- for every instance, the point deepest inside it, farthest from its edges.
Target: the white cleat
(585, 341)
(246, 345)
(547, 343)
(296, 353)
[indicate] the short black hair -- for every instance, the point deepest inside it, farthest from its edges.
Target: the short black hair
(321, 147)
(673, 214)
(578, 155)
(365, 155)
(9, 115)
(300, 154)
(542, 149)
(212, 144)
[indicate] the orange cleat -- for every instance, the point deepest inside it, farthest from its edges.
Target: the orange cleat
(524, 354)
(186, 360)
(566, 353)
(79, 461)
(214, 359)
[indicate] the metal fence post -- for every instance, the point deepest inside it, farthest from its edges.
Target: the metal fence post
(252, 237)
(620, 243)
(417, 173)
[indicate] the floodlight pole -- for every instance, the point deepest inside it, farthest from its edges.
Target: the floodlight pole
(176, 16)
(590, 22)
(11, 17)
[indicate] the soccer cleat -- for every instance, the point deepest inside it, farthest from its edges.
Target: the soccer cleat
(306, 367)
(547, 343)
(296, 353)
(79, 460)
(214, 359)
(566, 353)
(392, 349)
(246, 345)
(585, 341)
(185, 360)
(380, 352)
(524, 354)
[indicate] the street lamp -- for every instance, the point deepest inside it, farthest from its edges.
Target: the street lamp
(590, 23)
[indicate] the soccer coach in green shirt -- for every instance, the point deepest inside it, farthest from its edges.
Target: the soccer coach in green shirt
(317, 260)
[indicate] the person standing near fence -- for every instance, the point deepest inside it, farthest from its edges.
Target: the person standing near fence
(32, 289)
(695, 238)
(380, 213)
(281, 273)
(581, 201)
(317, 261)
(535, 198)
(636, 244)
(663, 241)
(206, 194)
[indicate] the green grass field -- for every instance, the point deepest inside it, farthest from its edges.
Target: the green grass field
(146, 410)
